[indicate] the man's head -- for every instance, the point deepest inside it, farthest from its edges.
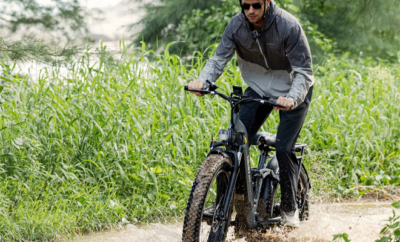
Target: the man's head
(254, 9)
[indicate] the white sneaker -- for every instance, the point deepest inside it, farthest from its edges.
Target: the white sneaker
(291, 221)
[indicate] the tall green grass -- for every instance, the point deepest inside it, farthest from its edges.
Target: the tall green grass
(118, 138)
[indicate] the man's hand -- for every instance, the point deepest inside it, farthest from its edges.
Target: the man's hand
(196, 85)
(288, 102)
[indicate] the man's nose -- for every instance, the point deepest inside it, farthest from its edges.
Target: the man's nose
(251, 9)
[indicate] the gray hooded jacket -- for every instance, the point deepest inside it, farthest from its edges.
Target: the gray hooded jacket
(275, 62)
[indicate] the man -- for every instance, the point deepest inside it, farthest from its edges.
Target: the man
(275, 61)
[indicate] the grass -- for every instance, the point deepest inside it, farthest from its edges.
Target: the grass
(118, 138)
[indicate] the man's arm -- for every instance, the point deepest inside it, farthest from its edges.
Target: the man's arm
(216, 64)
(299, 55)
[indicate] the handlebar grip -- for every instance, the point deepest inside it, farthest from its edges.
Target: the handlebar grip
(279, 105)
(273, 103)
(196, 90)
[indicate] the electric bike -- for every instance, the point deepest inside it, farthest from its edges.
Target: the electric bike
(226, 181)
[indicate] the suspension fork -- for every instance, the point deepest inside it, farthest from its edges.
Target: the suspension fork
(232, 183)
(260, 177)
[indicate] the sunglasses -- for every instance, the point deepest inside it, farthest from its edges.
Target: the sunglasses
(246, 6)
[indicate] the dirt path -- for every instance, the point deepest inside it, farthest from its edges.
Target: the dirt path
(362, 221)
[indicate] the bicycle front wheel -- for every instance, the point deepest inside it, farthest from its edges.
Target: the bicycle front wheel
(206, 201)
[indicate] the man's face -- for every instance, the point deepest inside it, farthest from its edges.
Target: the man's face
(254, 15)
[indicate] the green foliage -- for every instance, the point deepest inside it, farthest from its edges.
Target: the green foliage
(67, 16)
(353, 121)
(201, 28)
(371, 27)
(391, 231)
(63, 18)
(368, 27)
(31, 49)
(118, 138)
(344, 237)
(202, 25)
(163, 18)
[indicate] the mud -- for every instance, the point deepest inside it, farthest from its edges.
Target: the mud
(362, 221)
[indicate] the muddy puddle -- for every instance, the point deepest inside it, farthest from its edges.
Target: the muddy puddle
(362, 221)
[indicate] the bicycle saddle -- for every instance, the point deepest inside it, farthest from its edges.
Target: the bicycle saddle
(268, 138)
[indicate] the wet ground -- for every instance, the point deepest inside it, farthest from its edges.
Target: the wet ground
(362, 221)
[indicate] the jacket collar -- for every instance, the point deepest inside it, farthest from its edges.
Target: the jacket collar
(271, 14)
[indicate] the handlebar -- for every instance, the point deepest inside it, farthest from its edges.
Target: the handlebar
(262, 101)
(196, 90)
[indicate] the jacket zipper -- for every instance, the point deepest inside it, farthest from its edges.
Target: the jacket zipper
(265, 59)
(266, 63)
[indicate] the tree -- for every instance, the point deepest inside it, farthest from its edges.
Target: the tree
(63, 17)
(202, 28)
(67, 16)
(163, 18)
(202, 24)
(372, 27)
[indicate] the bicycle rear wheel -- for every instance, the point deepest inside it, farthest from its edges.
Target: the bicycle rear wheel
(272, 203)
(206, 200)
(303, 192)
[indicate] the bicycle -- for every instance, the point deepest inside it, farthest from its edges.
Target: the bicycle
(226, 180)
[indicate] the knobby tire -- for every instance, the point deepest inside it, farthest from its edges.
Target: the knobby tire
(273, 208)
(214, 174)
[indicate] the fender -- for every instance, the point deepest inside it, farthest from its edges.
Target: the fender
(273, 165)
(225, 153)
(308, 178)
(268, 183)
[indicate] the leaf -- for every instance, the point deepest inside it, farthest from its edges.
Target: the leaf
(94, 163)
(151, 196)
(135, 177)
(18, 141)
(157, 170)
(397, 233)
(396, 205)
(163, 195)
(167, 138)
(383, 239)
(395, 225)
(343, 236)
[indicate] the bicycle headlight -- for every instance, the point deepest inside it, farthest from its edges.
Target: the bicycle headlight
(223, 134)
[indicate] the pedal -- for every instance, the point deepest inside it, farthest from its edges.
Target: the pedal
(271, 222)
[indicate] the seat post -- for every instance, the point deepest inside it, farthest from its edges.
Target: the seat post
(263, 159)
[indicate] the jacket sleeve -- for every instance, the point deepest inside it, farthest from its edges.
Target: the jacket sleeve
(224, 52)
(299, 56)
